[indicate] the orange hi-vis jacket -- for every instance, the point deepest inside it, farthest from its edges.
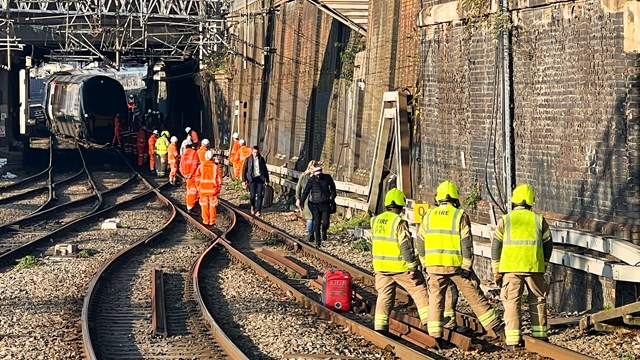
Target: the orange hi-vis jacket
(189, 163)
(201, 151)
(243, 153)
(234, 150)
(208, 178)
(152, 144)
(174, 155)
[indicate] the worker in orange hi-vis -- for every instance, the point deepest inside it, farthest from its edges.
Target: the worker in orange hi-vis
(141, 143)
(174, 157)
(209, 182)
(152, 150)
(188, 167)
(116, 131)
(233, 151)
(243, 153)
(203, 149)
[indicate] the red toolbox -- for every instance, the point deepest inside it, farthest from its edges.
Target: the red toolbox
(336, 290)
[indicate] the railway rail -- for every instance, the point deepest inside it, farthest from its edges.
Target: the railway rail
(366, 280)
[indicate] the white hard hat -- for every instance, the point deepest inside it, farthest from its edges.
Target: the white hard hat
(155, 132)
(174, 139)
(242, 142)
(235, 135)
(208, 155)
(187, 129)
(206, 142)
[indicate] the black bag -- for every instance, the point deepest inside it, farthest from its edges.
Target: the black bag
(333, 207)
(267, 199)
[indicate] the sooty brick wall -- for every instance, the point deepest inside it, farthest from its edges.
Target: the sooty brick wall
(576, 102)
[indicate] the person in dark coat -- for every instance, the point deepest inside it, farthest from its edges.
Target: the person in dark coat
(255, 175)
(321, 191)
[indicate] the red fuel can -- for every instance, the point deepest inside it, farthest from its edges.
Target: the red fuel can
(336, 290)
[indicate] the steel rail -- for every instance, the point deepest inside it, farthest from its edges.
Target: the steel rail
(223, 340)
(399, 349)
(357, 273)
(32, 177)
(91, 290)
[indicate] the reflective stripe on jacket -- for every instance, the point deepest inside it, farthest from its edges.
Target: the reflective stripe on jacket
(387, 256)
(440, 230)
(208, 178)
(522, 243)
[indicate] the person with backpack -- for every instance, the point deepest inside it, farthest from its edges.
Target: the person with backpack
(321, 191)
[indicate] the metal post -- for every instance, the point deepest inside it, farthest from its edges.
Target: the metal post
(509, 160)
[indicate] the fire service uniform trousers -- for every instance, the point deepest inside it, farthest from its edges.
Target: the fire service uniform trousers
(386, 287)
(438, 284)
(512, 289)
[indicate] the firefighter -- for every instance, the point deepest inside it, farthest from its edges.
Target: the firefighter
(208, 181)
(162, 147)
(141, 143)
(521, 247)
(234, 149)
(174, 158)
(446, 243)
(191, 135)
(394, 261)
(243, 153)
(203, 149)
(151, 150)
(116, 131)
(188, 166)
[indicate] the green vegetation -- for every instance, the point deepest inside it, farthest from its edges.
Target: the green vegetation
(235, 185)
(473, 197)
(274, 241)
(215, 62)
(607, 307)
(84, 253)
(244, 197)
(629, 356)
(361, 219)
(477, 13)
(27, 262)
(361, 245)
(348, 59)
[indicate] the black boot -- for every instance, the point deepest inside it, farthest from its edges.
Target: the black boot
(324, 235)
(311, 239)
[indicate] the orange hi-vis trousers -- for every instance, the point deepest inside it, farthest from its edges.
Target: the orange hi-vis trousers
(192, 193)
(173, 174)
(208, 205)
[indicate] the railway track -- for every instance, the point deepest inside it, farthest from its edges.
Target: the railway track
(366, 281)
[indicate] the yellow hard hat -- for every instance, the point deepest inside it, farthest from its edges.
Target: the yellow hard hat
(395, 197)
(447, 191)
(165, 133)
(523, 194)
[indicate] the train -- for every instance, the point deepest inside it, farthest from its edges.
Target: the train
(83, 105)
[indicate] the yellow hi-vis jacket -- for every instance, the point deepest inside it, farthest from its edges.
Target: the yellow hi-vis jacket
(162, 145)
(440, 230)
(522, 243)
(387, 256)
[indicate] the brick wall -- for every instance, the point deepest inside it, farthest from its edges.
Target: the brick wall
(575, 111)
